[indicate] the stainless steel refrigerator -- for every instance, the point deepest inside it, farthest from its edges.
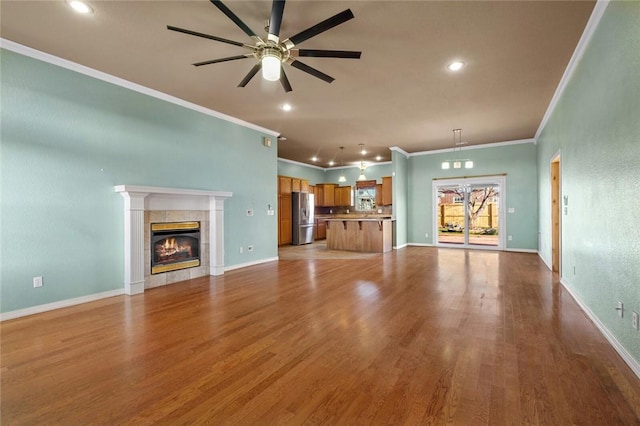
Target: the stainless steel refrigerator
(302, 218)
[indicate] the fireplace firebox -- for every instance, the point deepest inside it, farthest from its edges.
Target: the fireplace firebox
(174, 246)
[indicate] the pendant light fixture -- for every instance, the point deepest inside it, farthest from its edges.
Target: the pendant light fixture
(362, 167)
(342, 178)
(457, 163)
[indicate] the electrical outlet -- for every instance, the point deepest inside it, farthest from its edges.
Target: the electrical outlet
(426, 235)
(241, 250)
(620, 308)
(249, 248)
(270, 212)
(510, 238)
(37, 282)
(634, 321)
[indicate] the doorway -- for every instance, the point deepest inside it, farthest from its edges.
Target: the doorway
(469, 212)
(556, 205)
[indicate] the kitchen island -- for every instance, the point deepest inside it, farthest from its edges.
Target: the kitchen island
(362, 234)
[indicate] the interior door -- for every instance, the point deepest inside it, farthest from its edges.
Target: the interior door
(469, 212)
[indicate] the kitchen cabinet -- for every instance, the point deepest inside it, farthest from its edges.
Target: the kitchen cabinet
(284, 185)
(342, 196)
(295, 185)
(321, 229)
(284, 219)
(378, 194)
(387, 190)
(304, 185)
(326, 195)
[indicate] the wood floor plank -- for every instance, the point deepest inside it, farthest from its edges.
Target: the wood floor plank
(415, 336)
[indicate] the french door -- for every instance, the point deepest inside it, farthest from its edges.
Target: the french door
(469, 212)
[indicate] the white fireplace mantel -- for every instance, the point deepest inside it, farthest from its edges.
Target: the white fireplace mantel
(137, 199)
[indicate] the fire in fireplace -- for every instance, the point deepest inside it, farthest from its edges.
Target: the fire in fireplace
(174, 245)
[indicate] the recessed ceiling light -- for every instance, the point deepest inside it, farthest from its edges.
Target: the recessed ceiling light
(80, 7)
(286, 107)
(331, 163)
(378, 158)
(455, 66)
(314, 158)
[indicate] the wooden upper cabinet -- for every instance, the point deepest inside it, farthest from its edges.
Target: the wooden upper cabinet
(387, 190)
(295, 185)
(284, 185)
(304, 185)
(319, 195)
(342, 196)
(328, 195)
(378, 194)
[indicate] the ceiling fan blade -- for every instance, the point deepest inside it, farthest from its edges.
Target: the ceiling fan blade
(323, 26)
(314, 72)
(250, 75)
(285, 81)
(224, 9)
(277, 10)
(210, 37)
(215, 61)
(315, 53)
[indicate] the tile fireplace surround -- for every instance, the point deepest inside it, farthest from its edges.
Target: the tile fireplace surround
(150, 199)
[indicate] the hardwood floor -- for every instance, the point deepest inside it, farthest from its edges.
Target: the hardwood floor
(416, 336)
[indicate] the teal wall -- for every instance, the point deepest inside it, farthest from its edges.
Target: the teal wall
(400, 199)
(312, 174)
(317, 175)
(596, 127)
(518, 161)
(67, 139)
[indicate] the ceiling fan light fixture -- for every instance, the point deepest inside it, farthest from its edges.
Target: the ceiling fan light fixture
(271, 65)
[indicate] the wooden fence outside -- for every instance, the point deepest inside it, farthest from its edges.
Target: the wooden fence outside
(454, 214)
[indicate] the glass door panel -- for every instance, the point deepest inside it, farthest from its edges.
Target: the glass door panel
(450, 215)
(483, 208)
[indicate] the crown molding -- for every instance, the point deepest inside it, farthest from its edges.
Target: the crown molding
(297, 163)
(400, 150)
(324, 169)
(589, 30)
(469, 148)
(99, 75)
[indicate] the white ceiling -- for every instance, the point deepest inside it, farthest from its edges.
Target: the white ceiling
(399, 93)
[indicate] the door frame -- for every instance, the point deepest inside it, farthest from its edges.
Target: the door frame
(475, 180)
(555, 184)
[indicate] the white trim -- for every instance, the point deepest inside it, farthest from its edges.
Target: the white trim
(301, 164)
(521, 250)
(73, 66)
(400, 150)
(399, 247)
(252, 263)
(420, 245)
(626, 356)
(472, 147)
(544, 261)
(589, 30)
(60, 304)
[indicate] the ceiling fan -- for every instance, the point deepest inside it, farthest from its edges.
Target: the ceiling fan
(272, 53)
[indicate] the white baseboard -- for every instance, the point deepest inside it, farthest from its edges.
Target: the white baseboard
(60, 304)
(244, 265)
(521, 250)
(545, 261)
(420, 245)
(399, 247)
(626, 356)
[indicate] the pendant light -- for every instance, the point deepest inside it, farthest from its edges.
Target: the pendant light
(457, 163)
(342, 178)
(362, 167)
